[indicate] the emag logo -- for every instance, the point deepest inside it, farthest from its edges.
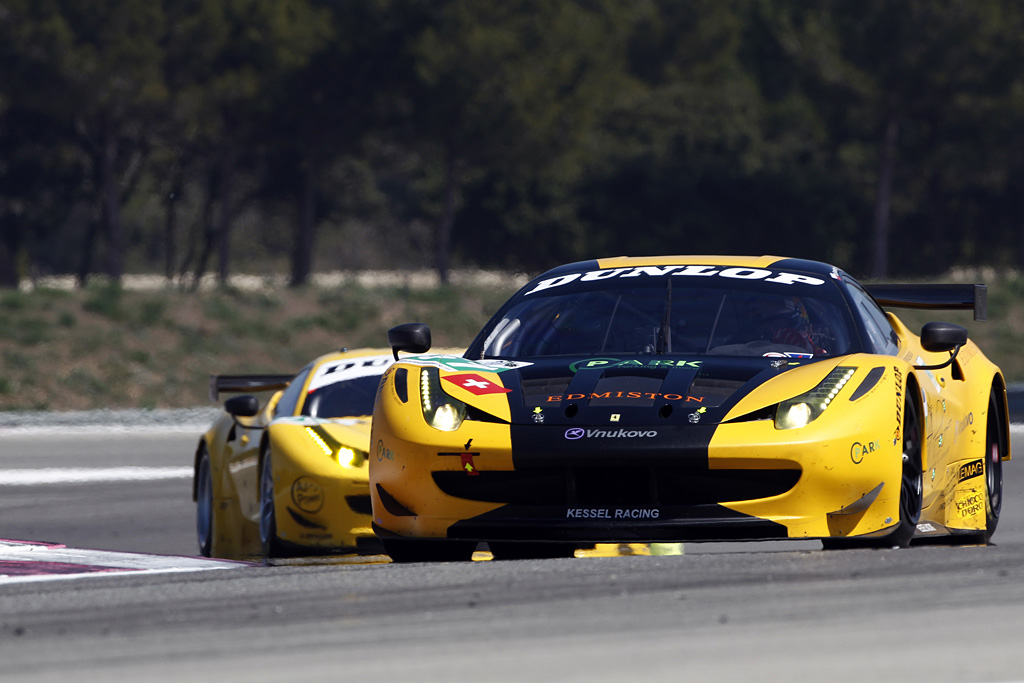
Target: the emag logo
(579, 433)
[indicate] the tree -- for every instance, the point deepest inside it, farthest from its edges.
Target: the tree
(906, 120)
(502, 87)
(226, 61)
(323, 111)
(103, 58)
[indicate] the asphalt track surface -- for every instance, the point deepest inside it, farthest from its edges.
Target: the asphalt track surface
(720, 612)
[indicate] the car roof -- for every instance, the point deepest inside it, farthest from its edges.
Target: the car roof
(766, 261)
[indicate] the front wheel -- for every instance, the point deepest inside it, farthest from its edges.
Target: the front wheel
(204, 505)
(912, 479)
(911, 491)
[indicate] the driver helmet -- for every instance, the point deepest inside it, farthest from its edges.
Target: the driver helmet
(778, 312)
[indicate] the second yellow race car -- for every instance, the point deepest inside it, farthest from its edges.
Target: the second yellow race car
(289, 476)
(691, 398)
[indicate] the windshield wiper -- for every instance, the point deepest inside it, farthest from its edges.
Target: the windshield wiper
(664, 332)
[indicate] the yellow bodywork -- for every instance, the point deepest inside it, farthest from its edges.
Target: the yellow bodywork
(320, 477)
(411, 447)
(848, 461)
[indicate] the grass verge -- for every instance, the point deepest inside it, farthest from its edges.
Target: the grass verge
(107, 347)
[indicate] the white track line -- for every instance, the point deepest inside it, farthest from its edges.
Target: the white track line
(84, 475)
(52, 430)
(47, 562)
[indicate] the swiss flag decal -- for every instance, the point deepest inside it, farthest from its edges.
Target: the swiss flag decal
(475, 384)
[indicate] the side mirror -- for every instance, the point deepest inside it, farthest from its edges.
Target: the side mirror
(937, 337)
(242, 406)
(942, 336)
(411, 337)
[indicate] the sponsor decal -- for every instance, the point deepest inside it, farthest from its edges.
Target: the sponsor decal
(475, 384)
(966, 354)
(899, 406)
(459, 364)
(926, 528)
(538, 415)
(858, 450)
(307, 494)
(575, 433)
(970, 470)
(605, 363)
(969, 505)
(962, 426)
(384, 453)
(787, 354)
(627, 395)
(778, 277)
(614, 417)
(348, 368)
(612, 513)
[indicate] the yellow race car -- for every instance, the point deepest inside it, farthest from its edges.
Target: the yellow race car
(289, 477)
(691, 398)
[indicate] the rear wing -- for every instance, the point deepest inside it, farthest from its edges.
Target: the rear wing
(939, 297)
(246, 383)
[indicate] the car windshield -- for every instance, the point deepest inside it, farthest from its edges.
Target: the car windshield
(774, 314)
(342, 399)
(344, 387)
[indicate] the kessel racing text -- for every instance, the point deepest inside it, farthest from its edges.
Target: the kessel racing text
(610, 513)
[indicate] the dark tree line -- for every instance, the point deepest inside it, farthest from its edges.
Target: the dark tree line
(195, 136)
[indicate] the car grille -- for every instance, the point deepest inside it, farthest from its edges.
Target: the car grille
(617, 486)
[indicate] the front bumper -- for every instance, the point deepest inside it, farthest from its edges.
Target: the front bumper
(323, 507)
(739, 481)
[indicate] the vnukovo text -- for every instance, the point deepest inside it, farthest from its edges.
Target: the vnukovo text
(577, 433)
(693, 271)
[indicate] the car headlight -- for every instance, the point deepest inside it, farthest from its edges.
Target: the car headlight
(350, 457)
(440, 410)
(802, 410)
(343, 455)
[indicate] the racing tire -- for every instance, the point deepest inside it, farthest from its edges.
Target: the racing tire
(996, 440)
(911, 480)
(204, 504)
(404, 550)
(269, 542)
(911, 490)
(530, 551)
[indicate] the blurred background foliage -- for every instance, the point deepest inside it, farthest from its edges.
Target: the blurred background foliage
(185, 137)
